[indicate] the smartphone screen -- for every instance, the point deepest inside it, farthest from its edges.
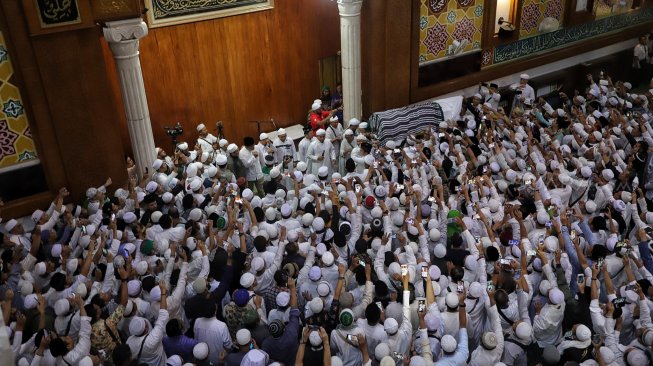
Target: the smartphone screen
(572, 234)
(425, 272)
(421, 306)
(580, 279)
(380, 305)
(404, 269)
(460, 287)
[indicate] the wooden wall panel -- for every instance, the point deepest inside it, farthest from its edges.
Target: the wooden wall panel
(72, 114)
(247, 67)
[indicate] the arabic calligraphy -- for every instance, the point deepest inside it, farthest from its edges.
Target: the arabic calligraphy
(173, 8)
(437, 6)
(565, 36)
(57, 12)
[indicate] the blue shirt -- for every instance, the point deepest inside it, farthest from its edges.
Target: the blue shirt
(284, 348)
(462, 352)
(181, 346)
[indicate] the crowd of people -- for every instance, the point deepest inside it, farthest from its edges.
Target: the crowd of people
(489, 239)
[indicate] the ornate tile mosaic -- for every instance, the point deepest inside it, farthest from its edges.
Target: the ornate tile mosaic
(444, 21)
(16, 143)
(562, 37)
(533, 12)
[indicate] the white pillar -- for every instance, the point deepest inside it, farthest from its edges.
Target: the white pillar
(350, 47)
(123, 39)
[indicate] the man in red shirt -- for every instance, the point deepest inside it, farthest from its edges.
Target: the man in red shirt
(319, 118)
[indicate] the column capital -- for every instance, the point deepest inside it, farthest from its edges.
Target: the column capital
(125, 30)
(350, 7)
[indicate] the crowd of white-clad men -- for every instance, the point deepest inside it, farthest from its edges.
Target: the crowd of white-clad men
(489, 239)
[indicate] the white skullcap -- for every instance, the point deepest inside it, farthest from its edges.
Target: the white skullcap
(448, 343)
(524, 330)
(220, 159)
(320, 133)
(40, 268)
(381, 350)
(36, 216)
(476, 290)
(637, 357)
(61, 307)
(583, 333)
(247, 280)
(524, 76)
(129, 217)
(156, 165)
(434, 235)
(56, 250)
(91, 192)
(556, 296)
(590, 207)
(363, 125)
(141, 267)
(391, 326)
(316, 305)
(354, 122)
(134, 288)
(314, 338)
(137, 326)
(545, 287)
(155, 294)
(81, 290)
(231, 149)
(440, 251)
(10, 225)
(257, 264)
(451, 300)
(316, 106)
(263, 136)
(471, 262)
(551, 244)
(619, 205)
(167, 198)
(327, 259)
(201, 351)
(318, 224)
(283, 299)
(200, 127)
(607, 174)
(324, 289)
(31, 301)
(417, 361)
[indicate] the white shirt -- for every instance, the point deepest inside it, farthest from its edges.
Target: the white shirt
(153, 353)
(215, 334)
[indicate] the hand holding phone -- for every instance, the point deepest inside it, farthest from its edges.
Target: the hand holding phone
(425, 272)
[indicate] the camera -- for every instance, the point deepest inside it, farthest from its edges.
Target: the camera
(174, 131)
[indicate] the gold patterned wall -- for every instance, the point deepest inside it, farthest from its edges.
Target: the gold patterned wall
(606, 8)
(16, 143)
(444, 24)
(540, 16)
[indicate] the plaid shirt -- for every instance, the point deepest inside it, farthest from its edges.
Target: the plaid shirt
(270, 297)
(103, 332)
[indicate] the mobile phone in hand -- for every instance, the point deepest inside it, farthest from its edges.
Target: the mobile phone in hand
(404, 269)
